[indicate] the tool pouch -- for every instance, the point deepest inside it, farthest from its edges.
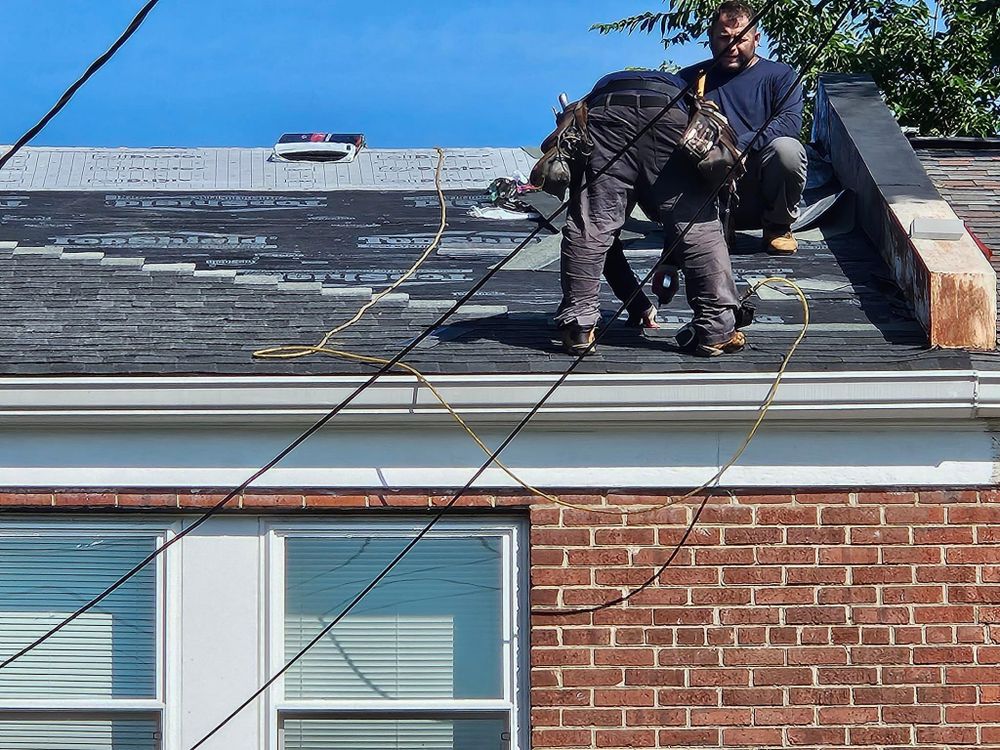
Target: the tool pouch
(565, 148)
(710, 142)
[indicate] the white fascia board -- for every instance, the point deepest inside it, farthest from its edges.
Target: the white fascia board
(961, 394)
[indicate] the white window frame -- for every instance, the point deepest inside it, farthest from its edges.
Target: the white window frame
(166, 589)
(514, 632)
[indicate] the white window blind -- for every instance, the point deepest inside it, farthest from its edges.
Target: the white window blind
(67, 733)
(405, 734)
(430, 630)
(109, 652)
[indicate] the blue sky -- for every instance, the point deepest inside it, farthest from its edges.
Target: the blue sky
(240, 72)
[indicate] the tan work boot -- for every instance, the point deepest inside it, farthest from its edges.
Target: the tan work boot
(735, 344)
(779, 241)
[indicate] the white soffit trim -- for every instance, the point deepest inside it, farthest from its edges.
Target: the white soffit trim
(958, 394)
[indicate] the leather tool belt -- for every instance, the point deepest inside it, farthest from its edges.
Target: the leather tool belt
(710, 141)
(565, 148)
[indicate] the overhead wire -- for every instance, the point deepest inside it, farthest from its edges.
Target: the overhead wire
(388, 366)
(511, 436)
(95, 66)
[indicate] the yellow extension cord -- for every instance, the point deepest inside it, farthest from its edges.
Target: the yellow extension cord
(295, 351)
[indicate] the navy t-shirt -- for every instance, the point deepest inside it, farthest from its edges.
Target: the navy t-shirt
(747, 98)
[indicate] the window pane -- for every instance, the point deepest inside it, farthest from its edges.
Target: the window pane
(109, 652)
(59, 733)
(430, 629)
(407, 734)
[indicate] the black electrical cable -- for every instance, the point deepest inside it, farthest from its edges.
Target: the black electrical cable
(384, 369)
(516, 431)
(68, 94)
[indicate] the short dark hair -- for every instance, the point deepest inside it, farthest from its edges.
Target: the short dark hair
(732, 9)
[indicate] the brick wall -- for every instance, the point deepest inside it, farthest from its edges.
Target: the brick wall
(865, 619)
(809, 620)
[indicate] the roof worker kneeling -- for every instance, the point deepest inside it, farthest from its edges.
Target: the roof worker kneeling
(669, 184)
(749, 90)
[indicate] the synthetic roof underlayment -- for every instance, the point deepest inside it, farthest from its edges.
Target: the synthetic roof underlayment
(166, 261)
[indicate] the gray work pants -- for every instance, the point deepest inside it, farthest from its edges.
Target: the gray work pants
(771, 189)
(668, 188)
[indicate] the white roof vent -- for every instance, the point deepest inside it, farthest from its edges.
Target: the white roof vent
(319, 146)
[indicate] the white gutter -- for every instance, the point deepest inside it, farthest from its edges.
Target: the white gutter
(877, 396)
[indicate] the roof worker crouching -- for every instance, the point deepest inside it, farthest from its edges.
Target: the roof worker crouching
(748, 90)
(667, 184)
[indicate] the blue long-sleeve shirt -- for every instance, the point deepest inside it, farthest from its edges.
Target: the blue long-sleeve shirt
(747, 98)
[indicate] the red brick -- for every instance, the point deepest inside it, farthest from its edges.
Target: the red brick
(619, 537)
(599, 557)
(591, 717)
(815, 576)
(688, 737)
(942, 655)
(911, 556)
(948, 497)
(560, 576)
(974, 594)
(972, 714)
(822, 498)
(913, 516)
(782, 595)
(879, 735)
(25, 499)
(541, 556)
(852, 516)
(655, 717)
(948, 694)
(947, 735)
(683, 616)
(815, 615)
(819, 696)
(750, 616)
(659, 597)
(751, 576)
(624, 697)
(624, 577)
(913, 595)
(875, 636)
(744, 737)
(848, 556)
(336, 501)
(272, 501)
(752, 697)
(911, 714)
(625, 737)
(726, 556)
(786, 516)
(887, 498)
(592, 677)
(727, 515)
(557, 657)
(709, 717)
(974, 514)
(720, 596)
(84, 499)
(752, 635)
(848, 715)
(881, 574)
(826, 535)
(550, 697)
(560, 738)
(879, 655)
(677, 576)
(973, 555)
(630, 616)
(690, 636)
(752, 657)
(142, 500)
(972, 675)
(881, 696)
(923, 615)
(544, 637)
(819, 737)
(911, 676)
(881, 615)
(560, 537)
(879, 535)
(688, 697)
(811, 656)
(702, 657)
(946, 574)
(943, 535)
(719, 677)
(783, 716)
(782, 676)
(847, 595)
(632, 657)
(753, 536)
(654, 677)
(786, 556)
(848, 676)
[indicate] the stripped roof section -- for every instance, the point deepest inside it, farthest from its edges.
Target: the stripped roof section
(180, 169)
